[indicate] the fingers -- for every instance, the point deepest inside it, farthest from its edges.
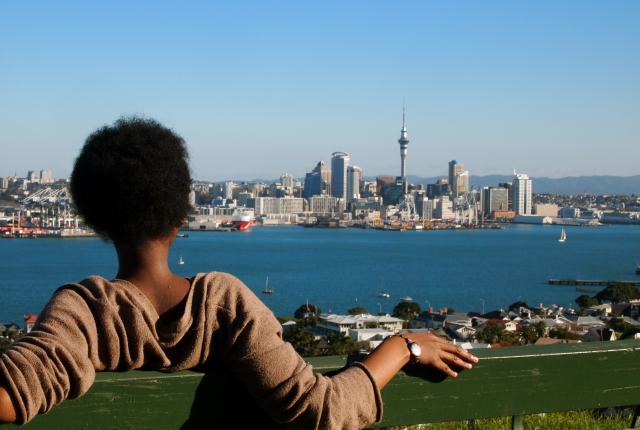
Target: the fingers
(461, 352)
(444, 368)
(450, 358)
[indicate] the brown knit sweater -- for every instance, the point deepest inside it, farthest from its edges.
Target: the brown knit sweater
(101, 325)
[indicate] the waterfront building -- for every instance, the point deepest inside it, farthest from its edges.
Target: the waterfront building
(455, 168)
(444, 209)
(546, 209)
(382, 181)
(33, 176)
(276, 205)
(532, 219)
(339, 164)
(325, 205)
(46, 177)
(569, 213)
(509, 187)
(522, 194)
(366, 206)
(243, 198)
(354, 176)
(494, 199)
(369, 189)
(318, 181)
(426, 207)
(440, 188)
(392, 193)
(192, 198)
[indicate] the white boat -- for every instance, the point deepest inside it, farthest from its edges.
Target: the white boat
(563, 236)
(266, 289)
(384, 295)
(407, 299)
(181, 260)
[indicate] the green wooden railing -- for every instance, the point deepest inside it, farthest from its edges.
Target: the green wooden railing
(507, 382)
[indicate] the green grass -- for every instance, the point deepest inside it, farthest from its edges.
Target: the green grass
(582, 420)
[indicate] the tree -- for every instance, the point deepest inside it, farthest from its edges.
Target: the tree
(307, 312)
(563, 333)
(358, 310)
(302, 340)
(515, 306)
(340, 345)
(619, 325)
(495, 333)
(531, 333)
(618, 293)
(406, 310)
(586, 301)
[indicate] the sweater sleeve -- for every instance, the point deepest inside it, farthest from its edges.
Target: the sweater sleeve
(52, 362)
(285, 385)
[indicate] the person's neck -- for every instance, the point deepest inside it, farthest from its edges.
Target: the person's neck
(146, 266)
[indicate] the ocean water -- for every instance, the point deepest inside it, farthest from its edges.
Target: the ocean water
(337, 269)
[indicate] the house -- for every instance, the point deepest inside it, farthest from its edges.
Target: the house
(288, 326)
(603, 309)
(371, 336)
(342, 324)
(438, 320)
(460, 332)
(30, 321)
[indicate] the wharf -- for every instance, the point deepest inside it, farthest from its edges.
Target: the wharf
(597, 282)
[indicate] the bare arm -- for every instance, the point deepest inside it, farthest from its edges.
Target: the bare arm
(392, 355)
(7, 411)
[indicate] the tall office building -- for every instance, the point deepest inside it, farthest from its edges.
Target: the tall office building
(318, 181)
(46, 177)
(404, 143)
(522, 194)
(494, 199)
(458, 178)
(339, 164)
(354, 176)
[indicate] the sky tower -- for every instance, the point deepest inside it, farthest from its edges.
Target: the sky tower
(404, 143)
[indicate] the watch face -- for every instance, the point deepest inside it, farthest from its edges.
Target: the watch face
(415, 349)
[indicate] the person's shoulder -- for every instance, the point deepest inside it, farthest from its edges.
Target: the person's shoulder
(227, 291)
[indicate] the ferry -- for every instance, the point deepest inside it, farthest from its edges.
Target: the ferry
(241, 222)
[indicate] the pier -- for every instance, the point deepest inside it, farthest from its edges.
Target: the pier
(596, 282)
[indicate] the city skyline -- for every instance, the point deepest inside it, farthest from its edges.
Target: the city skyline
(257, 89)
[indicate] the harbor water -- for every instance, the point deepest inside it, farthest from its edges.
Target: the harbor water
(338, 269)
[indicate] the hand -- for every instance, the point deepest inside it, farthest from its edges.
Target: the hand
(441, 354)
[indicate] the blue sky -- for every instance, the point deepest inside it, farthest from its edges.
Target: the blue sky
(266, 87)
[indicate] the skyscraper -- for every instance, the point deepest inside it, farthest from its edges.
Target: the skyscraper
(458, 178)
(339, 164)
(354, 176)
(404, 143)
(522, 194)
(318, 181)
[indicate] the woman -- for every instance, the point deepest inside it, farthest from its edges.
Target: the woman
(131, 184)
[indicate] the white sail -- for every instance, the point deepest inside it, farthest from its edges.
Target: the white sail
(563, 235)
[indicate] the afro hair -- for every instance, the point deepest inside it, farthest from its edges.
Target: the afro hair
(131, 181)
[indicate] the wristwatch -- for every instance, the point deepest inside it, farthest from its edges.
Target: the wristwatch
(414, 349)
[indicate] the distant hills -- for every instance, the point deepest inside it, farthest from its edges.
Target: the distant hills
(568, 185)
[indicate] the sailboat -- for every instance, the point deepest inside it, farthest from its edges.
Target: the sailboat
(266, 289)
(181, 260)
(563, 236)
